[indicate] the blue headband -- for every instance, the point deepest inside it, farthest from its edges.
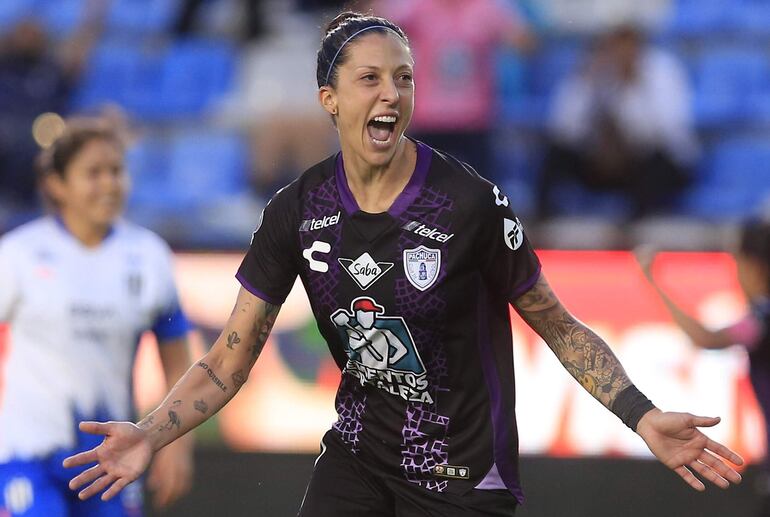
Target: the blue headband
(331, 66)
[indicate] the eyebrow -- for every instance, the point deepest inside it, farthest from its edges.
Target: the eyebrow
(374, 67)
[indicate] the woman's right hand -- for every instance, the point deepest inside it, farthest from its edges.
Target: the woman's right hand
(122, 457)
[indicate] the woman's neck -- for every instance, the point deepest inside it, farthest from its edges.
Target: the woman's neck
(375, 188)
(88, 234)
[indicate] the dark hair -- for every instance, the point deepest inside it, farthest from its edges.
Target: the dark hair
(77, 133)
(345, 25)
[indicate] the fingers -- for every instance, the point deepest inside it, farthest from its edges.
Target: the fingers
(86, 477)
(689, 478)
(80, 459)
(709, 474)
(719, 466)
(95, 427)
(720, 450)
(96, 487)
(705, 421)
(116, 487)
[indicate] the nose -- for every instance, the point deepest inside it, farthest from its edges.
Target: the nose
(389, 93)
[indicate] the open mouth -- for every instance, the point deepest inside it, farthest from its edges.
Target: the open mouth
(381, 129)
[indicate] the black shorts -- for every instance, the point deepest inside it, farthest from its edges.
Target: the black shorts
(342, 486)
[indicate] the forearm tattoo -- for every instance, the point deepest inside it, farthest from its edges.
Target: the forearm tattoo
(201, 406)
(584, 354)
(212, 376)
(232, 340)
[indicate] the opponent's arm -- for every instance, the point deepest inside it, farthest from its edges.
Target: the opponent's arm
(698, 334)
(584, 354)
(674, 438)
(207, 386)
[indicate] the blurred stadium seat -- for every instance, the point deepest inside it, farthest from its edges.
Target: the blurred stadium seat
(734, 182)
(12, 11)
(142, 17)
(727, 81)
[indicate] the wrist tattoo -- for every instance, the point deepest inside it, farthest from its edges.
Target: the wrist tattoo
(238, 378)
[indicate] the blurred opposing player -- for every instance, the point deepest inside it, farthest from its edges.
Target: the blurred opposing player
(78, 288)
(752, 260)
(410, 260)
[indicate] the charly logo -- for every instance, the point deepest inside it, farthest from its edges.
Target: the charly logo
(365, 270)
(500, 198)
(380, 350)
(513, 234)
(422, 266)
(317, 247)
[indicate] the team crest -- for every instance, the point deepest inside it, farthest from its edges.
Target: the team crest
(422, 266)
(380, 350)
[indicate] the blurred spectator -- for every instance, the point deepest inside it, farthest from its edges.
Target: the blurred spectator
(36, 76)
(253, 18)
(454, 42)
(622, 123)
(275, 104)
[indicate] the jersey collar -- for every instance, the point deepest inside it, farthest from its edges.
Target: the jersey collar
(404, 199)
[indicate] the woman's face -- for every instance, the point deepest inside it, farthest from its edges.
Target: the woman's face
(374, 97)
(752, 276)
(94, 185)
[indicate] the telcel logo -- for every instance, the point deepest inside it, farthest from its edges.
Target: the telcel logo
(318, 224)
(425, 231)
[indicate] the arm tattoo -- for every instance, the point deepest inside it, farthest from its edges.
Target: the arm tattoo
(212, 376)
(147, 422)
(584, 354)
(263, 325)
(200, 405)
(238, 378)
(173, 421)
(232, 340)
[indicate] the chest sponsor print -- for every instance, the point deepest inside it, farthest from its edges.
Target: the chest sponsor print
(364, 270)
(422, 266)
(380, 350)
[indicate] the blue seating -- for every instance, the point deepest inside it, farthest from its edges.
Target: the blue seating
(206, 167)
(734, 182)
(699, 17)
(11, 11)
(147, 163)
(727, 80)
(142, 17)
(195, 74)
(61, 17)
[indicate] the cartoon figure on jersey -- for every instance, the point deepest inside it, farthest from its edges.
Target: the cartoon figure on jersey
(381, 349)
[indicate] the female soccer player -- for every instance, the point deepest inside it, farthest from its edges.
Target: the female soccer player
(410, 260)
(752, 260)
(78, 288)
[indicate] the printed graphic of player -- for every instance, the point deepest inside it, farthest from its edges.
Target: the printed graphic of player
(377, 347)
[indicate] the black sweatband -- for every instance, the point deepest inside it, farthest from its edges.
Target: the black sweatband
(631, 405)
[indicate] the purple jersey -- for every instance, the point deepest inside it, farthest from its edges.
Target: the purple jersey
(414, 305)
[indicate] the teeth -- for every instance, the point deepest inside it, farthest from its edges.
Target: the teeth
(385, 118)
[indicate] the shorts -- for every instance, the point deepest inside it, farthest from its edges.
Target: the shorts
(342, 486)
(38, 488)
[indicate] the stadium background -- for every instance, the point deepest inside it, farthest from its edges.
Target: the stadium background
(190, 102)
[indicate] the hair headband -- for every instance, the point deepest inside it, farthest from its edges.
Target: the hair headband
(331, 65)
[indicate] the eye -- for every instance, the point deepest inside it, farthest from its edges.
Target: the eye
(406, 77)
(369, 77)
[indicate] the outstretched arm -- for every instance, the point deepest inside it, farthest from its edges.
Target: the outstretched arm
(206, 387)
(674, 438)
(698, 334)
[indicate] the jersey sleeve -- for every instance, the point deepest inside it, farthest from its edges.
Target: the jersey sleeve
(9, 288)
(171, 322)
(269, 268)
(509, 264)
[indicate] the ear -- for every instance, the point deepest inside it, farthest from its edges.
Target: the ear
(53, 185)
(328, 99)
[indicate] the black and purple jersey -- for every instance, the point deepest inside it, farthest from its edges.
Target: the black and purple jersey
(414, 305)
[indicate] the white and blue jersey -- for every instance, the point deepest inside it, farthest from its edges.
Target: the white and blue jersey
(76, 315)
